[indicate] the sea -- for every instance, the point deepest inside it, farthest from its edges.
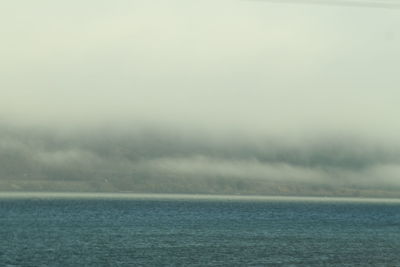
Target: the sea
(40, 229)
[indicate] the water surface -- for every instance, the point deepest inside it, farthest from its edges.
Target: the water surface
(197, 231)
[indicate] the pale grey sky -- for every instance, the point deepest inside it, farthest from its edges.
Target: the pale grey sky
(203, 63)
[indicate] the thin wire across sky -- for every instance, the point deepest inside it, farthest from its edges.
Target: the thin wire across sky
(345, 3)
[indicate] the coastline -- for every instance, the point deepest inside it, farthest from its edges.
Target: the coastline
(211, 197)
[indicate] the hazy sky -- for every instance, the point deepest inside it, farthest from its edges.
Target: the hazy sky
(220, 68)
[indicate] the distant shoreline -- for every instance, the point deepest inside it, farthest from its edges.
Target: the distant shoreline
(155, 196)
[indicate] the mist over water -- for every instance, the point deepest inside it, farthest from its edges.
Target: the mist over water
(199, 133)
(162, 161)
(217, 97)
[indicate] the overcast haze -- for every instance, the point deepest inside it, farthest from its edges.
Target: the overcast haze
(229, 97)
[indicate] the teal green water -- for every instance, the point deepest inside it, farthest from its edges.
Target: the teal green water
(155, 232)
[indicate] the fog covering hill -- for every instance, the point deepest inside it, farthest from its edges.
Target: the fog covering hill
(217, 97)
(161, 161)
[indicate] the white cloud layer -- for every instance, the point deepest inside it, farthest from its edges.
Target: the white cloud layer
(222, 72)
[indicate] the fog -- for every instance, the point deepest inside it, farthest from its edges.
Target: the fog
(224, 97)
(162, 161)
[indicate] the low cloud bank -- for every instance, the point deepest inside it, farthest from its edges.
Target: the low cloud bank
(157, 161)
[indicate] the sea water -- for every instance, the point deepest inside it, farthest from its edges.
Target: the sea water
(197, 231)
